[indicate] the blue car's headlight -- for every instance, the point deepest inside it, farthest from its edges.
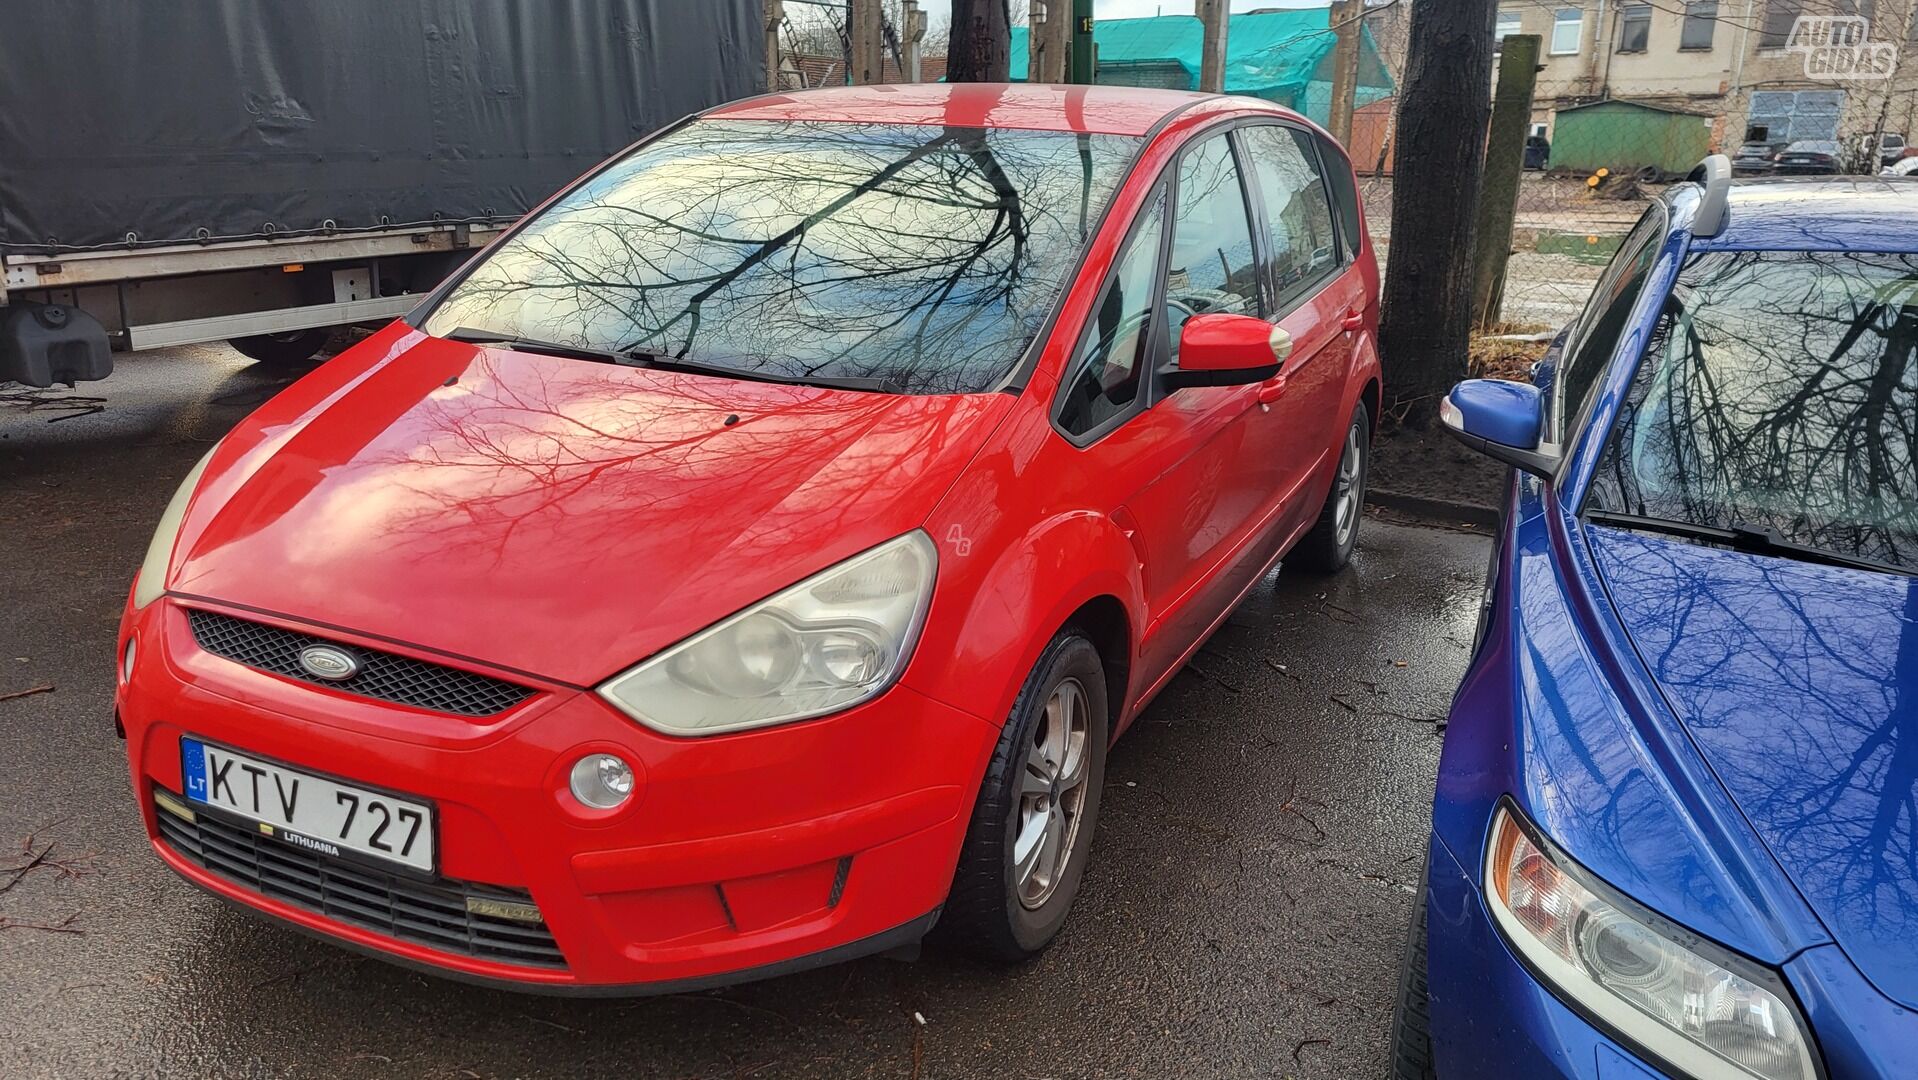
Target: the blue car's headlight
(1704, 1012)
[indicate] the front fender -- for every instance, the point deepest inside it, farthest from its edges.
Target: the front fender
(1557, 711)
(1002, 598)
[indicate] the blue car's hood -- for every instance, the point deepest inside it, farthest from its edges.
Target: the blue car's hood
(1799, 684)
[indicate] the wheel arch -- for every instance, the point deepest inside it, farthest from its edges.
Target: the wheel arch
(1105, 623)
(1074, 568)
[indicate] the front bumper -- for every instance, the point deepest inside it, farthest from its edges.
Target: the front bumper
(737, 856)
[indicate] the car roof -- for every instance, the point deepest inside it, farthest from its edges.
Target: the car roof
(1832, 213)
(1110, 110)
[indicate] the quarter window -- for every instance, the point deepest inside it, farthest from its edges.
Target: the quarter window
(1300, 240)
(1214, 266)
(1116, 348)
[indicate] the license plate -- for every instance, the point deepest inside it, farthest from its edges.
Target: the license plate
(307, 811)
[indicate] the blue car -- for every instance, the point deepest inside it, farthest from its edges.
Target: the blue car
(1676, 825)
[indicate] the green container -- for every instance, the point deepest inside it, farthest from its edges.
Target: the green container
(1625, 136)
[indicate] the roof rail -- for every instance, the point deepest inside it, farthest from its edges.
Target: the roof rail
(1715, 173)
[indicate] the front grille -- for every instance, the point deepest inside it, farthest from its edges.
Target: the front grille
(382, 675)
(432, 913)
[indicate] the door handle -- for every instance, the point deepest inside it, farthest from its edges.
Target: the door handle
(1354, 320)
(1271, 390)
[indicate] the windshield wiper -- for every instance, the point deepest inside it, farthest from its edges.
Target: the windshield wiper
(472, 336)
(665, 362)
(1752, 539)
(645, 358)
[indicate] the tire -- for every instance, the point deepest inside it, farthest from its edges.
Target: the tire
(1412, 1019)
(292, 347)
(1328, 547)
(998, 911)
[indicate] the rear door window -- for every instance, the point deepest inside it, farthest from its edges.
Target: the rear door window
(1301, 243)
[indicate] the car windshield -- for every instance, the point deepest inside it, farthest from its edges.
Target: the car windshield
(925, 257)
(1779, 391)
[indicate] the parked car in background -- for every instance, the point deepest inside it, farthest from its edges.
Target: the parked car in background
(1891, 147)
(1907, 166)
(1809, 157)
(1673, 831)
(1755, 158)
(746, 561)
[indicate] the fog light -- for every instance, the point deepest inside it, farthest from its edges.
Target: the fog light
(602, 781)
(126, 662)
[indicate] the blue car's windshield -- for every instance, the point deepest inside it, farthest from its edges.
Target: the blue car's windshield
(1779, 391)
(922, 256)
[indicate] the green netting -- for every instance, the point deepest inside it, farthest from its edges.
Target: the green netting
(1282, 56)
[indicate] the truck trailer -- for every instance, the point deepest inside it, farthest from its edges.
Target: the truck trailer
(265, 172)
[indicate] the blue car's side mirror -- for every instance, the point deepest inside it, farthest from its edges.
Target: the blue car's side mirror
(1501, 419)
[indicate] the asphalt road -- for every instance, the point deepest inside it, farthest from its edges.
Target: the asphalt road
(1242, 916)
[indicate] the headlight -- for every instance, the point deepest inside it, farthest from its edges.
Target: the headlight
(152, 580)
(832, 641)
(1699, 1008)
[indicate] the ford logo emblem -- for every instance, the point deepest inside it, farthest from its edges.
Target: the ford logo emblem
(329, 663)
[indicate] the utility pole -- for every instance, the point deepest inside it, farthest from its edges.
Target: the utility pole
(981, 45)
(1348, 25)
(1504, 161)
(1213, 17)
(1036, 42)
(1445, 101)
(864, 34)
(775, 15)
(1085, 55)
(1049, 40)
(913, 36)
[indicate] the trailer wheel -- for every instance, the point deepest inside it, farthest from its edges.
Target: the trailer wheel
(292, 347)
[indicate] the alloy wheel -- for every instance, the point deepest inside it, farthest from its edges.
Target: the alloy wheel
(1345, 510)
(1052, 794)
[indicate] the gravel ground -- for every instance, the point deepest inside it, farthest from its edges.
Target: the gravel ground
(1242, 917)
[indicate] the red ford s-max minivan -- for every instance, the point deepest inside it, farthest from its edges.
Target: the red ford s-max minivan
(747, 560)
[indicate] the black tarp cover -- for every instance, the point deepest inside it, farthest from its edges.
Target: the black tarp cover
(162, 118)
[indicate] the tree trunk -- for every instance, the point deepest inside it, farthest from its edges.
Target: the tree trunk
(981, 45)
(1445, 102)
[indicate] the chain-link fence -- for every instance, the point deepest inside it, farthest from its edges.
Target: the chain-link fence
(1588, 174)
(1593, 164)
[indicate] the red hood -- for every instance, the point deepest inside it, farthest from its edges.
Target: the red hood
(562, 517)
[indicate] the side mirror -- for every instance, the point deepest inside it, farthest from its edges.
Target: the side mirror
(1500, 419)
(1226, 350)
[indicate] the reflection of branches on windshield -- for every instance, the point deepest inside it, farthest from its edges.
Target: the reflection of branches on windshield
(1779, 390)
(927, 256)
